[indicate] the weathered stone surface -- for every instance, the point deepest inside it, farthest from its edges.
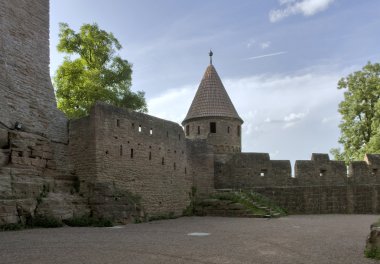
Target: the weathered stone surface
(62, 206)
(3, 138)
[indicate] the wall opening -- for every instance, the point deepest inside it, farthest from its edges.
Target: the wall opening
(132, 153)
(263, 172)
(185, 170)
(167, 133)
(174, 166)
(150, 155)
(238, 131)
(133, 125)
(163, 161)
(199, 130)
(121, 150)
(374, 171)
(151, 131)
(118, 122)
(322, 172)
(228, 130)
(140, 129)
(212, 127)
(179, 136)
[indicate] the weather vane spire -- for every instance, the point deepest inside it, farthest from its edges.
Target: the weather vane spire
(210, 54)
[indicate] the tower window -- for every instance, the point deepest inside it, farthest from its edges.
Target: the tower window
(228, 130)
(121, 150)
(150, 155)
(238, 131)
(117, 122)
(131, 153)
(140, 128)
(199, 130)
(212, 127)
(151, 131)
(163, 161)
(187, 130)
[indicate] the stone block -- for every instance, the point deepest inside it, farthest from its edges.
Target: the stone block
(4, 143)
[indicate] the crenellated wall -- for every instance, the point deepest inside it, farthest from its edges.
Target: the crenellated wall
(319, 185)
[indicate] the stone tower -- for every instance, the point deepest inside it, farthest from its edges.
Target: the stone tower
(212, 115)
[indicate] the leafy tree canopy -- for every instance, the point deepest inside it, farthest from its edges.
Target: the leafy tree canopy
(95, 73)
(360, 110)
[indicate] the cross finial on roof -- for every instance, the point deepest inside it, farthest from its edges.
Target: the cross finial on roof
(210, 54)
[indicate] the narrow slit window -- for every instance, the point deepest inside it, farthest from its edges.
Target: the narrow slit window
(151, 131)
(212, 127)
(179, 136)
(228, 130)
(133, 125)
(121, 150)
(131, 153)
(185, 170)
(150, 155)
(238, 131)
(174, 166)
(199, 130)
(140, 129)
(118, 122)
(163, 161)
(187, 130)
(167, 133)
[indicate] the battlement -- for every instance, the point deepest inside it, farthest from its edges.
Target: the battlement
(244, 170)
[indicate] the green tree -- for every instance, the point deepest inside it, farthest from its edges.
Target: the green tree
(360, 110)
(95, 73)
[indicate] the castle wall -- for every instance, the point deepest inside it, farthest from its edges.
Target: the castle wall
(141, 154)
(26, 92)
(34, 158)
(319, 185)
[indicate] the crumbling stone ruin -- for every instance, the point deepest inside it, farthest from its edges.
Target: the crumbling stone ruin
(123, 165)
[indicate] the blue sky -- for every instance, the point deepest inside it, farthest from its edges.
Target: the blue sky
(280, 60)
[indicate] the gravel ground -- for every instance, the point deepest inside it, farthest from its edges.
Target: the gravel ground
(293, 239)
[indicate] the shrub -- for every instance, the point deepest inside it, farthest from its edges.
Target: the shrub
(45, 221)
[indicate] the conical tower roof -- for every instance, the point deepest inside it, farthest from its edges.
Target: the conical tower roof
(211, 99)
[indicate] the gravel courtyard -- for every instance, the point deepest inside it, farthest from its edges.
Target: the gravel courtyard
(293, 239)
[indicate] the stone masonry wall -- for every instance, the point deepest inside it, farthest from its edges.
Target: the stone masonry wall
(34, 163)
(319, 185)
(138, 153)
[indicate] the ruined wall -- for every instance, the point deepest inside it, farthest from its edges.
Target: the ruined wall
(34, 160)
(141, 154)
(319, 185)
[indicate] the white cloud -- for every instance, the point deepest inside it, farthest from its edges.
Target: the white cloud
(266, 55)
(294, 7)
(265, 45)
(294, 117)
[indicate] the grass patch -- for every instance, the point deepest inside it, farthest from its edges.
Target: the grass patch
(373, 253)
(88, 221)
(261, 199)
